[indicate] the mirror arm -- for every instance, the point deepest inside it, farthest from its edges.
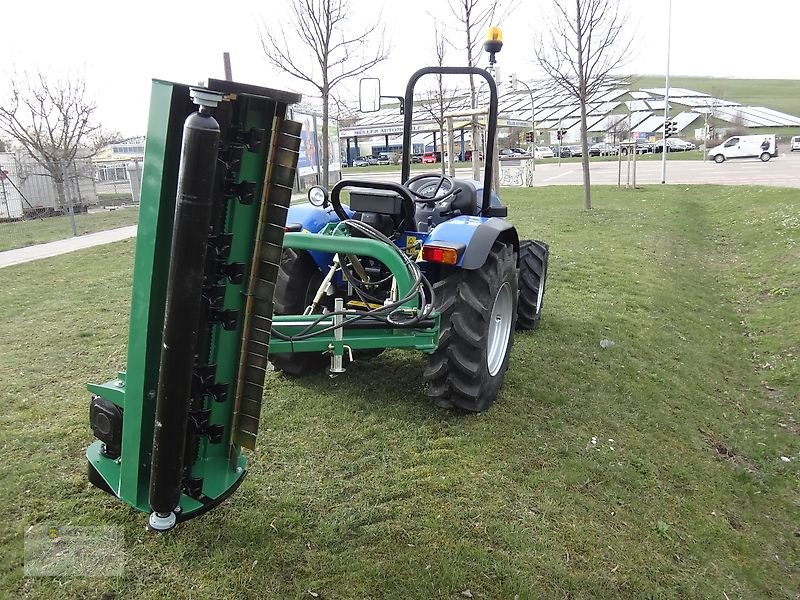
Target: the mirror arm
(402, 102)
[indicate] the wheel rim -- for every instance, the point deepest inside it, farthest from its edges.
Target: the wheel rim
(499, 328)
(540, 293)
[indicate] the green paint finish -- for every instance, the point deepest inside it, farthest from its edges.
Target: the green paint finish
(344, 244)
(425, 340)
(159, 181)
(333, 239)
(241, 221)
(113, 391)
(220, 465)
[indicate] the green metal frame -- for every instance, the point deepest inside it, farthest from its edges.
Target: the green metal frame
(332, 240)
(222, 466)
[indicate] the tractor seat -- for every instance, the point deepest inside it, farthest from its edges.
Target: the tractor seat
(466, 198)
(386, 211)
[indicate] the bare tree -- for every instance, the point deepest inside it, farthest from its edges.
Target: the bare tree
(584, 42)
(439, 99)
(619, 127)
(323, 49)
(54, 122)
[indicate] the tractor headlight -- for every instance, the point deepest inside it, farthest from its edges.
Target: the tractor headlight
(318, 196)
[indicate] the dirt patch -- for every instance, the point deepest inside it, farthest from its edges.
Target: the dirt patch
(725, 453)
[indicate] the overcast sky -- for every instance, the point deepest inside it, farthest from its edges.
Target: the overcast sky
(120, 46)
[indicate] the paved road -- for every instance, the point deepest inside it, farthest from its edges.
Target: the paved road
(783, 171)
(23, 255)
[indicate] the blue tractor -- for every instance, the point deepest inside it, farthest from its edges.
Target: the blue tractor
(430, 264)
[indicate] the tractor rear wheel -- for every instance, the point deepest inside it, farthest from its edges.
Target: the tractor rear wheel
(478, 311)
(297, 284)
(533, 258)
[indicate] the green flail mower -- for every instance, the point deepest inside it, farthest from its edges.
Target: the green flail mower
(228, 278)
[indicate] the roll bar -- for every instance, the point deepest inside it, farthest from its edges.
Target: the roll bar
(491, 125)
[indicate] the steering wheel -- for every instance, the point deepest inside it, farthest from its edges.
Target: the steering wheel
(436, 195)
(402, 191)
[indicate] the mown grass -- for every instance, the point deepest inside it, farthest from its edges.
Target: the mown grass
(361, 489)
(20, 234)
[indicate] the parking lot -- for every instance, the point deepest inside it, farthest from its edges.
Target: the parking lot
(783, 171)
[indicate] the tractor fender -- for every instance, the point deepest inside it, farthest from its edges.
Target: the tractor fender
(313, 219)
(478, 234)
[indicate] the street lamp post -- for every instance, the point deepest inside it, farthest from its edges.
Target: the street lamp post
(514, 82)
(666, 100)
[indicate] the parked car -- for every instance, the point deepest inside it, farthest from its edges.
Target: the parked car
(563, 150)
(361, 162)
(795, 143)
(468, 155)
(383, 159)
(513, 152)
(641, 147)
(575, 151)
(673, 145)
(543, 152)
(373, 160)
(430, 158)
(602, 149)
(745, 146)
(416, 158)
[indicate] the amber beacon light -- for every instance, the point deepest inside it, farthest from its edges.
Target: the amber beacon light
(493, 43)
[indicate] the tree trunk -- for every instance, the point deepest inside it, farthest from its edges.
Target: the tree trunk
(325, 145)
(61, 189)
(444, 148)
(587, 185)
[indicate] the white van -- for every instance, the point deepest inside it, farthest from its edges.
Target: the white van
(745, 146)
(795, 144)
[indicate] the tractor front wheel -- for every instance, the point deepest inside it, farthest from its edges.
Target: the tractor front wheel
(533, 257)
(297, 284)
(478, 311)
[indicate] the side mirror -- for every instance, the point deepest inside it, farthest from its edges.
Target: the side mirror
(369, 95)
(318, 196)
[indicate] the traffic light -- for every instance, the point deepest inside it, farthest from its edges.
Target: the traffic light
(559, 134)
(529, 136)
(670, 128)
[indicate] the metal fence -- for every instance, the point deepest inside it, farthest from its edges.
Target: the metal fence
(38, 205)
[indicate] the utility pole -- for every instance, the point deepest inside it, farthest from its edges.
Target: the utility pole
(666, 98)
(560, 139)
(226, 65)
(532, 147)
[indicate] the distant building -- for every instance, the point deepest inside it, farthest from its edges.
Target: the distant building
(27, 188)
(614, 112)
(111, 162)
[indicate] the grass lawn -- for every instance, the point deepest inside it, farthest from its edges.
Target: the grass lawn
(650, 469)
(37, 231)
